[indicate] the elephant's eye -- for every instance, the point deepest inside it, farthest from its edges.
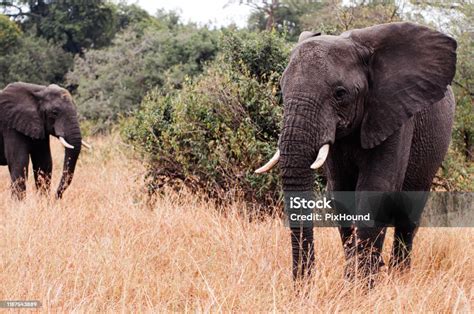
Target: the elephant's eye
(55, 112)
(340, 92)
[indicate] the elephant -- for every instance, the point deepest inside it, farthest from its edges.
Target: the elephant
(374, 108)
(29, 114)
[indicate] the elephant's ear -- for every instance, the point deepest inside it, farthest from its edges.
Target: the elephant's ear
(20, 109)
(306, 34)
(410, 68)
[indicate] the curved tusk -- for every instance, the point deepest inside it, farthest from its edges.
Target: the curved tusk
(66, 144)
(269, 165)
(86, 145)
(322, 155)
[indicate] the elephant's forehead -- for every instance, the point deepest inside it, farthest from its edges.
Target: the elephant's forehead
(321, 49)
(59, 91)
(310, 48)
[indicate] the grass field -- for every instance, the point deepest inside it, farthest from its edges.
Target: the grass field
(102, 248)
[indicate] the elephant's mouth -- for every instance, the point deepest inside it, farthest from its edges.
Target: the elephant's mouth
(66, 144)
(318, 162)
(321, 158)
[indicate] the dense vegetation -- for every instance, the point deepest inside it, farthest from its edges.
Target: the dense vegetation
(29, 58)
(213, 132)
(113, 80)
(202, 106)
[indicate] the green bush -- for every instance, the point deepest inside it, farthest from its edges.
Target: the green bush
(248, 52)
(112, 81)
(221, 126)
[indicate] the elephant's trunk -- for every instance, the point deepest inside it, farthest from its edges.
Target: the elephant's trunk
(297, 176)
(305, 130)
(74, 138)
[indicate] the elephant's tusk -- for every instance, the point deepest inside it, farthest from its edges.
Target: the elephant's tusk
(269, 165)
(86, 145)
(66, 144)
(322, 155)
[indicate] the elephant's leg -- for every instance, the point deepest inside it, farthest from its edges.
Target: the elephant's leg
(348, 241)
(303, 251)
(348, 238)
(402, 246)
(431, 138)
(342, 176)
(369, 245)
(42, 165)
(17, 155)
(382, 169)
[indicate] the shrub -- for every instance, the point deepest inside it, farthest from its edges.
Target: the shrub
(261, 57)
(213, 133)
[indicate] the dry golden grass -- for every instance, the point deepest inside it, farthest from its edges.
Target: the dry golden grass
(102, 249)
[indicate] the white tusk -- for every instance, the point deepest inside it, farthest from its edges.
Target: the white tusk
(66, 144)
(86, 145)
(269, 165)
(322, 155)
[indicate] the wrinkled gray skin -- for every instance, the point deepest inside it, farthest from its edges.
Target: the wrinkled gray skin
(29, 113)
(380, 96)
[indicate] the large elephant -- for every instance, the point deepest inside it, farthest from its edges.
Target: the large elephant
(375, 106)
(29, 113)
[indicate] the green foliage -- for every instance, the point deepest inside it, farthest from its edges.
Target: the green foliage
(128, 15)
(291, 17)
(75, 25)
(213, 133)
(112, 81)
(283, 16)
(455, 174)
(463, 133)
(246, 51)
(335, 17)
(459, 168)
(34, 60)
(9, 33)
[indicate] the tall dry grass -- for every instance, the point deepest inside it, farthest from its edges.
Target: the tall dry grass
(102, 249)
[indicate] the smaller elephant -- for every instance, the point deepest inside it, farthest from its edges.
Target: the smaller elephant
(29, 113)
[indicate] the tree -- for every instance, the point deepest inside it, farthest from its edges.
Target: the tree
(75, 25)
(335, 17)
(268, 7)
(281, 15)
(128, 15)
(34, 60)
